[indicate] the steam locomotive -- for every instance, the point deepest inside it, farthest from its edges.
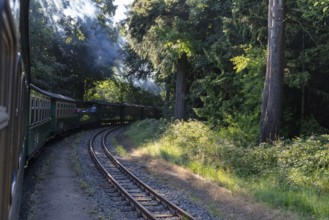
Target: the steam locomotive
(29, 116)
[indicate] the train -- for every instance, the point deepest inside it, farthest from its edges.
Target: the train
(51, 114)
(30, 116)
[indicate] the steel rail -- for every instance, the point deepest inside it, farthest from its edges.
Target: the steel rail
(141, 209)
(175, 209)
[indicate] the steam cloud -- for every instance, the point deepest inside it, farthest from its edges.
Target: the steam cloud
(104, 49)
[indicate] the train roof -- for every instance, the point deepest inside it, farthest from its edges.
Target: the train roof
(52, 95)
(98, 102)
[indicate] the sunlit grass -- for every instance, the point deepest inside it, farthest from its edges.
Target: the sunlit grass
(304, 201)
(294, 176)
(121, 150)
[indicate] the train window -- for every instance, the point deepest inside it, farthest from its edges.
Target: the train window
(63, 110)
(32, 111)
(42, 109)
(36, 109)
(48, 111)
(45, 109)
(57, 110)
(60, 110)
(39, 110)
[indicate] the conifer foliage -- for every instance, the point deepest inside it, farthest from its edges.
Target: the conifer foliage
(256, 70)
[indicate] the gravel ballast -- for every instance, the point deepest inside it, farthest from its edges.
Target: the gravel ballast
(68, 158)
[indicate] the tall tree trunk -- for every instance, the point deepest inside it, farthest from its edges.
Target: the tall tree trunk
(181, 85)
(168, 85)
(272, 93)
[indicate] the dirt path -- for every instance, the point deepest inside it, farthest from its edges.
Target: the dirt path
(59, 195)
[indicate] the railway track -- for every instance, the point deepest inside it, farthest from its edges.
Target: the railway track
(146, 201)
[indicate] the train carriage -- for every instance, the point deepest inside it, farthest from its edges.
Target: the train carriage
(49, 115)
(132, 112)
(100, 113)
(40, 120)
(88, 113)
(148, 112)
(13, 94)
(64, 113)
(29, 116)
(111, 113)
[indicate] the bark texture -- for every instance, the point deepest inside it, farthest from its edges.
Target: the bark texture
(181, 86)
(272, 93)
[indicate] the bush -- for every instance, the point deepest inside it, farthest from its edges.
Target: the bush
(292, 173)
(305, 163)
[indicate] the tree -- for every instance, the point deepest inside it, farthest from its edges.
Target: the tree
(159, 31)
(272, 93)
(71, 54)
(45, 67)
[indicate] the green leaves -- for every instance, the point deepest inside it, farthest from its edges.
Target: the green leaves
(225, 43)
(253, 60)
(115, 90)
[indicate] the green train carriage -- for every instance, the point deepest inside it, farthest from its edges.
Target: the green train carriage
(13, 108)
(50, 114)
(40, 120)
(111, 113)
(64, 113)
(89, 114)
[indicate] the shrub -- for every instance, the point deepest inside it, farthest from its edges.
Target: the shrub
(306, 162)
(292, 173)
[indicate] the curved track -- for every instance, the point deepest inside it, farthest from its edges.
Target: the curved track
(148, 203)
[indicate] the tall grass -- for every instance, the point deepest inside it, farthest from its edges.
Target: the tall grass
(292, 174)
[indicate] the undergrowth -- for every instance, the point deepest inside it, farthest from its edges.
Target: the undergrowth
(292, 174)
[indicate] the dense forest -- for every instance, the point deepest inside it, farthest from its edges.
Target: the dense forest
(215, 54)
(214, 60)
(243, 85)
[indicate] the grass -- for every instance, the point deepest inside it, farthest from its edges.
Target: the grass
(119, 148)
(293, 175)
(77, 168)
(75, 157)
(86, 187)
